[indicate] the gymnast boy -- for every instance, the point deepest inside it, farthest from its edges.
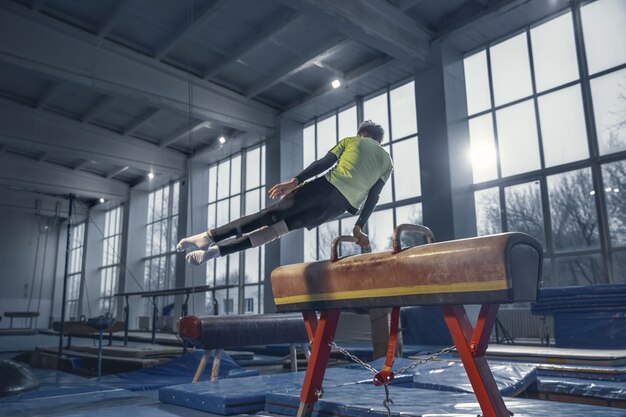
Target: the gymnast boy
(358, 168)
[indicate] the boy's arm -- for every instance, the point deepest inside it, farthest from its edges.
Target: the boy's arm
(312, 170)
(317, 167)
(368, 208)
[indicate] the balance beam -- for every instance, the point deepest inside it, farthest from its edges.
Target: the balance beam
(223, 332)
(489, 270)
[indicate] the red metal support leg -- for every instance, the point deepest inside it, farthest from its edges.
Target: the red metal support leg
(310, 323)
(324, 333)
(471, 344)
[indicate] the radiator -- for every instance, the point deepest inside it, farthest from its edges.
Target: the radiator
(521, 324)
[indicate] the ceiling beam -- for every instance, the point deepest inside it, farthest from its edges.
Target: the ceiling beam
(80, 164)
(37, 5)
(336, 72)
(297, 87)
(183, 133)
(353, 76)
(215, 151)
(114, 16)
(24, 173)
(40, 131)
(265, 74)
(377, 24)
(405, 5)
(465, 17)
(26, 202)
(47, 95)
(205, 15)
(141, 120)
(319, 53)
(57, 51)
(42, 157)
(93, 111)
(116, 172)
(270, 30)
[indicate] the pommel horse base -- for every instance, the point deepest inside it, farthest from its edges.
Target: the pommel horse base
(489, 270)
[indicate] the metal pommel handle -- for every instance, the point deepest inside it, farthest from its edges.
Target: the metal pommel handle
(414, 228)
(334, 247)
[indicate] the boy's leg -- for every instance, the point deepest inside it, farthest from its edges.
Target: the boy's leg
(313, 216)
(200, 241)
(298, 200)
(293, 203)
(254, 239)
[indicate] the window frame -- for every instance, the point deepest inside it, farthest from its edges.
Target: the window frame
(116, 253)
(211, 269)
(594, 161)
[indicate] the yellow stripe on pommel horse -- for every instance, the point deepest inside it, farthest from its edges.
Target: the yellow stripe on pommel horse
(488, 270)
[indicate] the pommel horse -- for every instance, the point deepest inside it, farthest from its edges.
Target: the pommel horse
(488, 270)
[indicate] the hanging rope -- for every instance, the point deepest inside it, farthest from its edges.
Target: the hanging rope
(32, 282)
(43, 266)
(83, 271)
(191, 153)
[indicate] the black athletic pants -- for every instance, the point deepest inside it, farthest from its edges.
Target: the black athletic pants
(308, 205)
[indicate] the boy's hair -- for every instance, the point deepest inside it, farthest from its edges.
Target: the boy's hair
(372, 130)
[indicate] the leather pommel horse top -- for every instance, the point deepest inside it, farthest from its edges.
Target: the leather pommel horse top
(501, 268)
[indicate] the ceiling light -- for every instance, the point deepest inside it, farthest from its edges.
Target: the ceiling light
(592, 192)
(222, 140)
(336, 83)
(607, 189)
(616, 190)
(101, 200)
(150, 175)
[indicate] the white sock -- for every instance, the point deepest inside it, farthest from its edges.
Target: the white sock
(198, 257)
(200, 241)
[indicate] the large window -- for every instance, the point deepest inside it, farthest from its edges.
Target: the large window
(111, 262)
(75, 269)
(161, 233)
(400, 200)
(547, 122)
(237, 188)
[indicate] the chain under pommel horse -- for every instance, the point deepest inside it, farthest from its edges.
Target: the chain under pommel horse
(488, 270)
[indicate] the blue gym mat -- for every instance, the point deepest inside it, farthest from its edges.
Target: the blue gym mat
(66, 395)
(178, 371)
(64, 402)
(247, 395)
(599, 373)
(449, 375)
(362, 351)
(366, 401)
(511, 379)
(54, 383)
(145, 410)
(606, 390)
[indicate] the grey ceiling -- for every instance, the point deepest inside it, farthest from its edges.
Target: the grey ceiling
(114, 89)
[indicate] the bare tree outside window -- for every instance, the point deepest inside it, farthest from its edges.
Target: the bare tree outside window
(573, 210)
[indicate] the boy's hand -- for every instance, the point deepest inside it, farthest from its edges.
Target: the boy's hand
(362, 239)
(283, 188)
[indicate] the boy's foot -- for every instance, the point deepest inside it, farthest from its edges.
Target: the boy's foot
(200, 241)
(198, 257)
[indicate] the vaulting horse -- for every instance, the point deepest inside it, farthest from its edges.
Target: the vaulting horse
(488, 270)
